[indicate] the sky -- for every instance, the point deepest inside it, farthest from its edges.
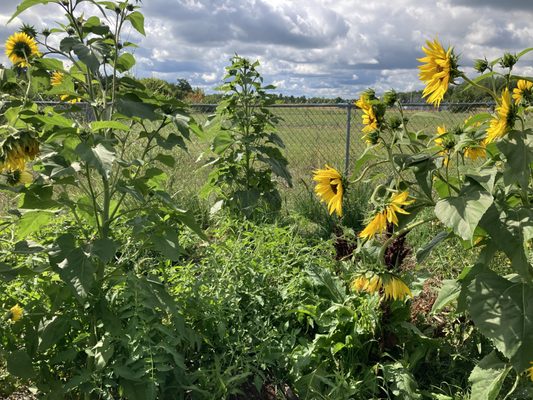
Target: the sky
(327, 48)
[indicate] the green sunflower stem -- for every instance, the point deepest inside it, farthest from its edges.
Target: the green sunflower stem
(471, 82)
(408, 228)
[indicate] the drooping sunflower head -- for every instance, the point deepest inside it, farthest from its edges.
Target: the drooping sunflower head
(369, 285)
(21, 48)
(530, 371)
(504, 119)
(523, 92)
(330, 188)
(16, 313)
(57, 78)
(438, 71)
(15, 151)
(377, 225)
(18, 177)
(396, 204)
(395, 288)
(445, 138)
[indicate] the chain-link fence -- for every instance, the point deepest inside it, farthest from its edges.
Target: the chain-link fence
(319, 134)
(314, 135)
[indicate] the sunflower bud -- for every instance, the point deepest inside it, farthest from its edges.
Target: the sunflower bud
(46, 32)
(70, 31)
(481, 65)
(118, 10)
(395, 122)
(390, 98)
(28, 30)
(508, 60)
(370, 94)
(130, 7)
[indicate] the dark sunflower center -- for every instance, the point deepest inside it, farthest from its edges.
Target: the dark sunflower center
(22, 49)
(13, 177)
(333, 187)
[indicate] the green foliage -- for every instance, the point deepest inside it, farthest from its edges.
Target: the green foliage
(247, 149)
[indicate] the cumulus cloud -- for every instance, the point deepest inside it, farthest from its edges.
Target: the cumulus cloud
(312, 47)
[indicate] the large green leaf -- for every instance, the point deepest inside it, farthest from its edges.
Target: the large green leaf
(518, 149)
(503, 311)
(449, 292)
(98, 125)
(425, 250)
(31, 222)
(73, 265)
(487, 377)
(27, 4)
(98, 157)
(137, 21)
(19, 364)
(125, 62)
(52, 331)
(84, 53)
(463, 213)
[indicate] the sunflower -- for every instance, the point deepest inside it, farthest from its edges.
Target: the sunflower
(372, 285)
(395, 289)
(16, 151)
(438, 71)
(530, 371)
(20, 48)
(19, 177)
(523, 89)
(16, 313)
(378, 224)
(443, 140)
(503, 121)
(370, 120)
(329, 188)
(57, 78)
(476, 151)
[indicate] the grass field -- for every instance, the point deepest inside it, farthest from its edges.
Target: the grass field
(313, 136)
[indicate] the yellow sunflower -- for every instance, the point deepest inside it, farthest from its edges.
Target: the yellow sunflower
(57, 78)
(370, 120)
(475, 152)
(395, 289)
(372, 285)
(16, 312)
(19, 177)
(503, 121)
(16, 151)
(329, 188)
(438, 71)
(378, 224)
(21, 48)
(523, 87)
(441, 141)
(530, 371)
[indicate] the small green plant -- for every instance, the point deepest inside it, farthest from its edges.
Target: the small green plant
(246, 146)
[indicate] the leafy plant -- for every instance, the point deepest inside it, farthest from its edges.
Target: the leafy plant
(99, 327)
(246, 146)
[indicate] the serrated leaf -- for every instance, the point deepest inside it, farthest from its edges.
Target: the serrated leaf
(137, 21)
(98, 157)
(25, 5)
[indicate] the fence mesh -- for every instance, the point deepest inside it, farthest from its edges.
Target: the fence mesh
(319, 134)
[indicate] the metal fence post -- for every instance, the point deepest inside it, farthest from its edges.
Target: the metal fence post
(348, 129)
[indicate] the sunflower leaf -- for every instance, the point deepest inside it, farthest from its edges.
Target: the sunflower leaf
(25, 5)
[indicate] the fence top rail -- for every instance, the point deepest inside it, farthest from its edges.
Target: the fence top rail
(352, 105)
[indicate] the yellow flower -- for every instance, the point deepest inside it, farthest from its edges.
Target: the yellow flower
(530, 371)
(370, 120)
(371, 285)
(395, 289)
(438, 70)
(475, 152)
(522, 87)
(15, 151)
(504, 119)
(19, 177)
(20, 48)
(395, 206)
(376, 226)
(440, 141)
(16, 313)
(329, 188)
(57, 78)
